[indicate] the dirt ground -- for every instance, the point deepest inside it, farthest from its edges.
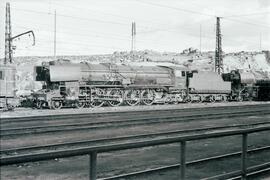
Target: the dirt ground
(25, 112)
(120, 162)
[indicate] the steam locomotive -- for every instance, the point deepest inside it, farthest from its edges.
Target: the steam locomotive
(93, 85)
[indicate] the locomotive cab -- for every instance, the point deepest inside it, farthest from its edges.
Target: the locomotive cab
(58, 85)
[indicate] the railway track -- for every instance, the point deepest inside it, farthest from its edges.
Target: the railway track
(259, 168)
(123, 139)
(142, 119)
(115, 114)
(123, 123)
(111, 122)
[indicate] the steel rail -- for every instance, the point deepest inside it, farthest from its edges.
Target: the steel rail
(110, 114)
(190, 163)
(119, 115)
(93, 115)
(116, 116)
(101, 119)
(121, 123)
(123, 146)
(237, 174)
(141, 117)
(122, 138)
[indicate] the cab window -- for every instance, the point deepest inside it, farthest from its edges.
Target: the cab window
(183, 73)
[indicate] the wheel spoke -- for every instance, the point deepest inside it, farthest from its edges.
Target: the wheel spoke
(118, 95)
(96, 102)
(80, 104)
(133, 97)
(148, 97)
(56, 104)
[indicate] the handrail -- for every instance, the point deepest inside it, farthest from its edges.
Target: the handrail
(93, 151)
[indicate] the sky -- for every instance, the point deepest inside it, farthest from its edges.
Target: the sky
(85, 27)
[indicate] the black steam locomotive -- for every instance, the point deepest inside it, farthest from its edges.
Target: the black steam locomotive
(93, 85)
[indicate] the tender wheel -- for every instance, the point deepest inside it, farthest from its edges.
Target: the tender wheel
(198, 98)
(118, 95)
(80, 104)
(148, 97)
(167, 100)
(212, 99)
(175, 100)
(220, 98)
(224, 98)
(55, 104)
(133, 97)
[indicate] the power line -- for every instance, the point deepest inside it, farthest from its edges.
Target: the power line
(195, 12)
(104, 13)
(75, 17)
(69, 16)
(76, 29)
(54, 33)
(122, 39)
(142, 41)
(249, 14)
(154, 43)
(156, 29)
(114, 21)
(249, 23)
(175, 8)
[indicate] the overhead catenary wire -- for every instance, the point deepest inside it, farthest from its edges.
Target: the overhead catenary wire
(70, 16)
(89, 44)
(249, 23)
(117, 37)
(249, 14)
(176, 8)
(204, 35)
(168, 29)
(121, 23)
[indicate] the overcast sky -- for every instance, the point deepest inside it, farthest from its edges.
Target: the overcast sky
(104, 26)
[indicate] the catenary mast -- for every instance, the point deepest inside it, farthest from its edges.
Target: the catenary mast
(218, 52)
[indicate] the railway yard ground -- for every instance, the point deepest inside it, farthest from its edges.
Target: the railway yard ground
(27, 132)
(22, 112)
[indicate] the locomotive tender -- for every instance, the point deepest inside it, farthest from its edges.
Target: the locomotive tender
(89, 84)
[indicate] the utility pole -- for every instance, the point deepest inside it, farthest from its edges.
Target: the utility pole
(133, 36)
(8, 41)
(8, 37)
(260, 41)
(200, 38)
(54, 34)
(218, 52)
